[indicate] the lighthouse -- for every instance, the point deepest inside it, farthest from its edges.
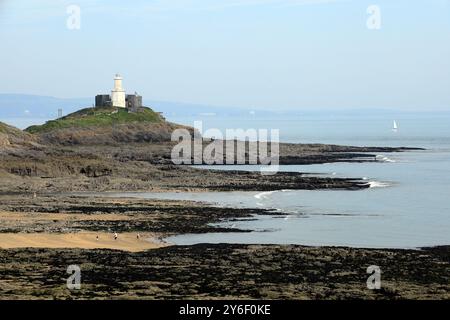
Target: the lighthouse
(118, 93)
(118, 98)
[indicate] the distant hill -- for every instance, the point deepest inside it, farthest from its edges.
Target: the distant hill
(105, 126)
(45, 107)
(23, 105)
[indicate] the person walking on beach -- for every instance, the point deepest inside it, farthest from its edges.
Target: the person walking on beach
(138, 236)
(96, 238)
(115, 236)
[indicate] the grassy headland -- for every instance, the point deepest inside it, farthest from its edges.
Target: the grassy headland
(98, 117)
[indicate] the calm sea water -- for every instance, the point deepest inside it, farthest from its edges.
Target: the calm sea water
(408, 205)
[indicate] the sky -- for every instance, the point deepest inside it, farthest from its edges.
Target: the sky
(256, 54)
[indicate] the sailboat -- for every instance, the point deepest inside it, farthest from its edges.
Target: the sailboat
(395, 126)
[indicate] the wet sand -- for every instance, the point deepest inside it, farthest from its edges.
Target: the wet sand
(42, 216)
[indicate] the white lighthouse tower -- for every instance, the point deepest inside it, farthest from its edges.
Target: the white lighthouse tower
(118, 93)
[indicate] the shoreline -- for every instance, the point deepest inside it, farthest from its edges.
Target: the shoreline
(147, 167)
(133, 269)
(84, 216)
(144, 270)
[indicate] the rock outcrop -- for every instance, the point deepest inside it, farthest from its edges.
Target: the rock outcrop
(11, 137)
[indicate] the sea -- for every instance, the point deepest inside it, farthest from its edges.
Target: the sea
(406, 206)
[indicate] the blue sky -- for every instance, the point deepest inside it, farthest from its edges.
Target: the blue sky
(270, 54)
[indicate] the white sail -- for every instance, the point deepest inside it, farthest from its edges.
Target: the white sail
(395, 127)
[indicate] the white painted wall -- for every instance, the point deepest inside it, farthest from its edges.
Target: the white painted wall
(118, 93)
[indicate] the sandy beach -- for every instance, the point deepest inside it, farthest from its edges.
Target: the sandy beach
(127, 241)
(83, 240)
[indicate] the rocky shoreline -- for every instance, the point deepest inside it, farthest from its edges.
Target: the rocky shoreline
(147, 167)
(203, 271)
(226, 272)
(117, 215)
(39, 174)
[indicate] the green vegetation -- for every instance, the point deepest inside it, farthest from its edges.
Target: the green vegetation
(98, 117)
(4, 128)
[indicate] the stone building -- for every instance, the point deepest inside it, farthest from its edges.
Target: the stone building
(118, 98)
(103, 100)
(133, 102)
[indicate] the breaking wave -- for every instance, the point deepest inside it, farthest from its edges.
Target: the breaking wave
(263, 195)
(379, 184)
(382, 158)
